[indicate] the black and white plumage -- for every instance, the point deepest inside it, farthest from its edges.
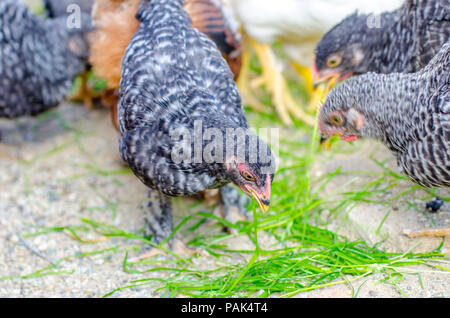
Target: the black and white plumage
(38, 59)
(409, 113)
(402, 41)
(174, 77)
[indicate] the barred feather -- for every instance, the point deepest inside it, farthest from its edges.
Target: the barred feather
(174, 76)
(409, 113)
(38, 59)
(403, 41)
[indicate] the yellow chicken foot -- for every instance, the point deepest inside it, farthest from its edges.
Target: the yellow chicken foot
(243, 84)
(84, 94)
(288, 100)
(277, 86)
(257, 82)
(273, 78)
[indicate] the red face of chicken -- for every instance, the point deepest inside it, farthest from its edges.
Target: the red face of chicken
(255, 184)
(345, 123)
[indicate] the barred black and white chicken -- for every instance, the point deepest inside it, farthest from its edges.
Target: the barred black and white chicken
(68, 9)
(409, 113)
(297, 25)
(116, 23)
(39, 59)
(401, 41)
(176, 84)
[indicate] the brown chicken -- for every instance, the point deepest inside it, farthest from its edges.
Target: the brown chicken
(116, 23)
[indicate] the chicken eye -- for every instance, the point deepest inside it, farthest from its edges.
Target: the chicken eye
(335, 119)
(248, 176)
(334, 61)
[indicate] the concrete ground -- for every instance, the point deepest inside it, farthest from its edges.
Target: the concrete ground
(53, 175)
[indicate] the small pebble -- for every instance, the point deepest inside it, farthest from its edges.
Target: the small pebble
(435, 205)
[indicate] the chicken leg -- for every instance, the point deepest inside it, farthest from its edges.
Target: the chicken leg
(158, 222)
(85, 94)
(277, 86)
(243, 84)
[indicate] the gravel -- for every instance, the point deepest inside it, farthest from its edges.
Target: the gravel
(47, 180)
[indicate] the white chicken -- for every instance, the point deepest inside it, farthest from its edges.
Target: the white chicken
(298, 25)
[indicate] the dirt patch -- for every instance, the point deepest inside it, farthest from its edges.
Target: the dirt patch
(53, 175)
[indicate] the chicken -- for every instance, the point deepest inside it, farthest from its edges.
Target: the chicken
(213, 18)
(38, 59)
(404, 41)
(409, 113)
(66, 8)
(298, 25)
(116, 23)
(175, 84)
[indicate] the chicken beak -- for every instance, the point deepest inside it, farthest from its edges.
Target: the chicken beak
(263, 201)
(264, 204)
(325, 142)
(328, 81)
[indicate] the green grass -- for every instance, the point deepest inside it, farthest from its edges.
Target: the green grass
(292, 250)
(306, 256)
(302, 256)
